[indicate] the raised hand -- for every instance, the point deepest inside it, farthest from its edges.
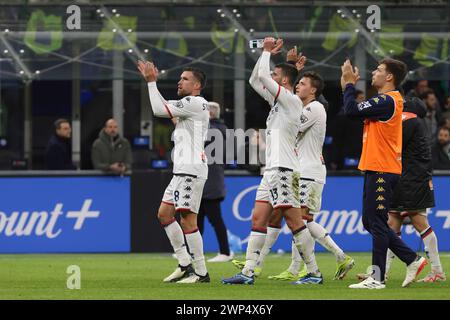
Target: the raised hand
(269, 44)
(148, 70)
(292, 54)
(278, 46)
(301, 61)
(348, 74)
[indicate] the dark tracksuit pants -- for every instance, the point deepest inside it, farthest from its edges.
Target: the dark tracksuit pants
(211, 209)
(378, 192)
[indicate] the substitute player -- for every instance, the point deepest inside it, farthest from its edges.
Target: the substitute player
(279, 186)
(190, 170)
(414, 192)
(381, 161)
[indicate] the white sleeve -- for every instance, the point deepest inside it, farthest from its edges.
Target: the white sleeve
(278, 92)
(308, 118)
(258, 86)
(184, 108)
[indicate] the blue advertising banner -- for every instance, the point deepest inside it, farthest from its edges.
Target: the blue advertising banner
(64, 214)
(340, 215)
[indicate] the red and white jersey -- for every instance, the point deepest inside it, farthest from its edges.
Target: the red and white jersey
(283, 122)
(190, 131)
(313, 127)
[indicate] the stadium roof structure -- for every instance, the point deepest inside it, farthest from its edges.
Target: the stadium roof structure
(37, 44)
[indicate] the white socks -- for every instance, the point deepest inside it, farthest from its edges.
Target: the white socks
(175, 235)
(294, 268)
(431, 248)
(305, 246)
(321, 235)
(255, 245)
(195, 243)
(271, 238)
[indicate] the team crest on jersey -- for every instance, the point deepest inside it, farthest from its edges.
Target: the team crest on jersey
(363, 105)
(376, 100)
(179, 104)
(303, 119)
(188, 99)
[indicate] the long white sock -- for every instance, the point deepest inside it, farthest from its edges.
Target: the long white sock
(271, 238)
(305, 246)
(296, 261)
(195, 243)
(175, 235)
(321, 235)
(390, 256)
(430, 241)
(255, 245)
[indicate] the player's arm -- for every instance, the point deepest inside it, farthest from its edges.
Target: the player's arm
(257, 84)
(381, 107)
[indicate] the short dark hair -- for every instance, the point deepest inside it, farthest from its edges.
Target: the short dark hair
(397, 68)
(57, 124)
(288, 70)
(316, 81)
(443, 128)
(198, 74)
(426, 93)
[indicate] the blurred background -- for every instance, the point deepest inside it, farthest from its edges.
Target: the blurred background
(89, 75)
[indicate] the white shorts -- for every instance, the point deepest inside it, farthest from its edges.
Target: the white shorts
(311, 195)
(184, 192)
(279, 187)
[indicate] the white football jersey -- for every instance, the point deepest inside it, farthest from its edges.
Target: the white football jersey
(189, 135)
(283, 122)
(312, 135)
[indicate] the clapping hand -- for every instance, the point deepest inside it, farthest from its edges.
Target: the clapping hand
(348, 74)
(148, 70)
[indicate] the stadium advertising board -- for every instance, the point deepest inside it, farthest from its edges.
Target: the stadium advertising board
(340, 215)
(62, 214)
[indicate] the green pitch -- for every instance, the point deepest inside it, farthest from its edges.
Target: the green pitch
(139, 276)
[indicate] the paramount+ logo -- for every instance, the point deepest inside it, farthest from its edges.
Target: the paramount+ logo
(45, 223)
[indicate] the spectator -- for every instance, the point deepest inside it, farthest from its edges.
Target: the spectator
(433, 117)
(58, 154)
(214, 191)
(446, 107)
(441, 150)
(419, 89)
(111, 152)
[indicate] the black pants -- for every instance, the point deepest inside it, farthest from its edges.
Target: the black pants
(211, 209)
(378, 192)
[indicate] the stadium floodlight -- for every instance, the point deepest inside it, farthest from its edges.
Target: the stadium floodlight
(37, 72)
(98, 10)
(146, 50)
(114, 30)
(339, 11)
(236, 30)
(117, 15)
(251, 30)
(356, 30)
(22, 51)
(113, 10)
(238, 15)
(234, 10)
(223, 15)
(354, 11)
(21, 72)
(219, 10)
(130, 50)
(102, 15)
(130, 30)
(6, 30)
(358, 15)
(5, 51)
